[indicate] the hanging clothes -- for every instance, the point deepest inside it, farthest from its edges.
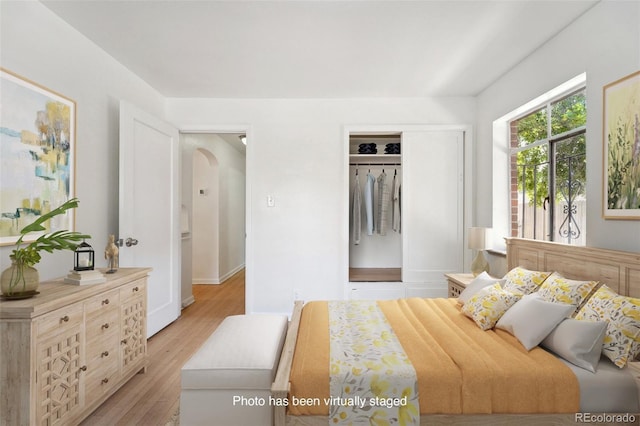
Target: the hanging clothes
(356, 213)
(368, 202)
(383, 204)
(395, 204)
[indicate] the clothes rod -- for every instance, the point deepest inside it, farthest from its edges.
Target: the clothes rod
(375, 164)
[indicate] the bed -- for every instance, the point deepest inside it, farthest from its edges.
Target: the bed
(574, 390)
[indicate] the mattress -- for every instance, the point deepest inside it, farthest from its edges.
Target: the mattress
(609, 390)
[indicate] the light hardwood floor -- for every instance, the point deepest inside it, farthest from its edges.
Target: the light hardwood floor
(151, 398)
(375, 274)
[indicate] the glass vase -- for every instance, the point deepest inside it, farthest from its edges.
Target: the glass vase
(19, 279)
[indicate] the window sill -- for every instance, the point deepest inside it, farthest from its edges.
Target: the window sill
(497, 252)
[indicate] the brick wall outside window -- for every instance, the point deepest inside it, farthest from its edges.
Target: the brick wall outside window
(513, 131)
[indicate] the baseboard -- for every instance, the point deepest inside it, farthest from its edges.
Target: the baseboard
(188, 301)
(231, 273)
(220, 280)
(207, 281)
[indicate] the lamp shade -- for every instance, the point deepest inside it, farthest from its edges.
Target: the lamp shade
(478, 238)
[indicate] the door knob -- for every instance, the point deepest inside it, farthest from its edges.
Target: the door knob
(130, 242)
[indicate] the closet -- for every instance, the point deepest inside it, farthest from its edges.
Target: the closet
(375, 255)
(405, 251)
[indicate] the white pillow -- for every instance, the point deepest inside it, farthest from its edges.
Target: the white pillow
(531, 319)
(478, 283)
(578, 341)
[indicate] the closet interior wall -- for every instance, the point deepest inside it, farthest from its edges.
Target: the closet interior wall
(377, 257)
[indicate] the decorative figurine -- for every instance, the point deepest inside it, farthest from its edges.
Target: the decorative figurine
(111, 254)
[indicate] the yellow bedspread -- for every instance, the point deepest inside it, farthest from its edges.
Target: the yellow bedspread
(461, 369)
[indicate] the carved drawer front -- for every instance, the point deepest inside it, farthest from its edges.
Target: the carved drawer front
(56, 321)
(60, 372)
(134, 328)
(97, 305)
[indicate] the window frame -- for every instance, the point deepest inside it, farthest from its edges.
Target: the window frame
(550, 141)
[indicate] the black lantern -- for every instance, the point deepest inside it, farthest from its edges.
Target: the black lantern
(84, 258)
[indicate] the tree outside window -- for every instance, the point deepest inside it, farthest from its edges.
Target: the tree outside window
(548, 171)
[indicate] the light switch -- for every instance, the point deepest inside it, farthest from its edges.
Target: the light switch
(271, 201)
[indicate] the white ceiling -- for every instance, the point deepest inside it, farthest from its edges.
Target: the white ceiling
(319, 49)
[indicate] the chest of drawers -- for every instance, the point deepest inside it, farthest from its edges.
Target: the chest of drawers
(71, 347)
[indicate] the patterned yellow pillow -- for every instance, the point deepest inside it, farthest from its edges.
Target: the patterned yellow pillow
(520, 280)
(622, 340)
(559, 289)
(489, 304)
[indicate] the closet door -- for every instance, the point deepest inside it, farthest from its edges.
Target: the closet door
(432, 210)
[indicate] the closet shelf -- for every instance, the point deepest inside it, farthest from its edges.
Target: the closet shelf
(387, 159)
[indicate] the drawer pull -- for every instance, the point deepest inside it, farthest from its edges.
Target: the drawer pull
(105, 353)
(136, 289)
(64, 318)
(83, 368)
(105, 381)
(105, 302)
(105, 325)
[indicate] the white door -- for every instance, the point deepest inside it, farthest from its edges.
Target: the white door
(432, 209)
(150, 209)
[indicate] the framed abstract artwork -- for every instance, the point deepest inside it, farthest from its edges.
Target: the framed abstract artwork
(37, 155)
(621, 148)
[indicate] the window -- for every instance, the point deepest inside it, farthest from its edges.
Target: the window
(548, 171)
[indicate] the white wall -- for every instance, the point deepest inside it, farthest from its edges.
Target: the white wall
(296, 153)
(39, 46)
(604, 43)
(205, 235)
(296, 150)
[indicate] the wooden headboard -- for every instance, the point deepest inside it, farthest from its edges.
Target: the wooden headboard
(619, 270)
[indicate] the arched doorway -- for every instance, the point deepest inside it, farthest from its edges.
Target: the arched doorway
(214, 208)
(205, 216)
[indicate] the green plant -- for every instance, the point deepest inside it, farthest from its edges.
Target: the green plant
(29, 255)
(566, 114)
(623, 171)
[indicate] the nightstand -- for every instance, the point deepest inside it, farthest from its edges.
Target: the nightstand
(457, 283)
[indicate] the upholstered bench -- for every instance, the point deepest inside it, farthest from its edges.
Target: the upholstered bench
(228, 380)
